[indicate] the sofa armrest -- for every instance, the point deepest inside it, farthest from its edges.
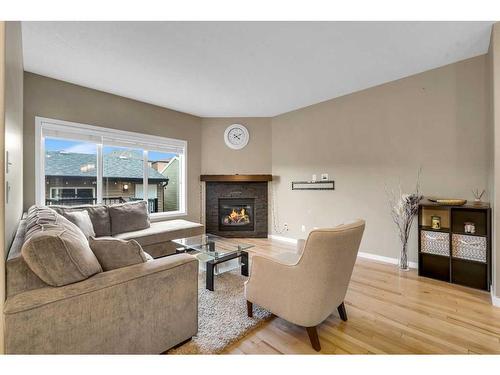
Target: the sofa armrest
(43, 296)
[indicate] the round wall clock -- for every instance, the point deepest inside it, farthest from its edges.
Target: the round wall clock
(236, 136)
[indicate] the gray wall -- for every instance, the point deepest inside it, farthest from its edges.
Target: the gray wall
(60, 100)
(14, 127)
(3, 251)
(11, 139)
(217, 158)
(494, 71)
(437, 120)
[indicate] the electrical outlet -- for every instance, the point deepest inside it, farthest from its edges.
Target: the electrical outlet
(285, 226)
(303, 228)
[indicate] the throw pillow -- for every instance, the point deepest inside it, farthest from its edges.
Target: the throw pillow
(82, 220)
(59, 254)
(128, 217)
(99, 216)
(113, 253)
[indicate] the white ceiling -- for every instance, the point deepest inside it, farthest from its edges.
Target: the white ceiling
(214, 69)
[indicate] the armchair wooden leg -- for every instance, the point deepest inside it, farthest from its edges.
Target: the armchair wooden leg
(313, 336)
(342, 312)
(249, 309)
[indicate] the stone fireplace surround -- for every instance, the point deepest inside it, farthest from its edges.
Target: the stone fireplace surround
(237, 187)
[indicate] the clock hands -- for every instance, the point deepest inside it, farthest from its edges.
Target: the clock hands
(236, 136)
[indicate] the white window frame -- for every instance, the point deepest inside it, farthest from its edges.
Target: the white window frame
(100, 136)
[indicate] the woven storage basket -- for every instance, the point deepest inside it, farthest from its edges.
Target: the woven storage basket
(435, 243)
(469, 247)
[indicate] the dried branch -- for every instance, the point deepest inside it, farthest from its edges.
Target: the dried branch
(478, 195)
(403, 208)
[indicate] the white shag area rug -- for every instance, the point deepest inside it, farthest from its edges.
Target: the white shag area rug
(222, 315)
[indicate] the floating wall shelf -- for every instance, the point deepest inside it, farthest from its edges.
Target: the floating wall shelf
(313, 185)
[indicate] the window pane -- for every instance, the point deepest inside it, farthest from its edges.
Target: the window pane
(163, 181)
(70, 172)
(123, 174)
(84, 193)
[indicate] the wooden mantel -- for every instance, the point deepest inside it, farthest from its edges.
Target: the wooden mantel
(236, 177)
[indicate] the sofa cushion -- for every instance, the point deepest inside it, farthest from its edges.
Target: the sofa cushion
(161, 249)
(113, 253)
(163, 231)
(20, 278)
(59, 254)
(130, 216)
(82, 220)
(99, 216)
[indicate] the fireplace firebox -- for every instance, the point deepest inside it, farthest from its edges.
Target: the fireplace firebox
(236, 214)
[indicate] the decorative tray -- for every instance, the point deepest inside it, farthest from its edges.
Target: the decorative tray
(449, 202)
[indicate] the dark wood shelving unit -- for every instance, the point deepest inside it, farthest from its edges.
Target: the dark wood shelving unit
(449, 253)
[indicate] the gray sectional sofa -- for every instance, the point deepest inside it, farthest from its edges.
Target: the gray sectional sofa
(59, 299)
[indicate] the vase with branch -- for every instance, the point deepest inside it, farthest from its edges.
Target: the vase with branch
(404, 208)
(478, 195)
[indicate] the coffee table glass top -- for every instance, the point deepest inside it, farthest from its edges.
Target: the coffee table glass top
(212, 245)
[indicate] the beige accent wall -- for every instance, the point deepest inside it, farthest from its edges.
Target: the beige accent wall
(217, 158)
(494, 71)
(3, 252)
(60, 100)
(437, 120)
(14, 71)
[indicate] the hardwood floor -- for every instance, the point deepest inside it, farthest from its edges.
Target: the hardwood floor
(390, 312)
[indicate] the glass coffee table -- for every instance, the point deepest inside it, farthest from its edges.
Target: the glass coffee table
(215, 250)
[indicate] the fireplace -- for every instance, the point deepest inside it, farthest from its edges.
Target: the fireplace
(236, 205)
(236, 214)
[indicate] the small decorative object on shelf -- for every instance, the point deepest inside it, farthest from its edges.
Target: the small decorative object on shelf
(436, 222)
(313, 179)
(404, 207)
(478, 195)
(469, 227)
(324, 176)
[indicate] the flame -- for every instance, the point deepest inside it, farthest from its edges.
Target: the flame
(236, 217)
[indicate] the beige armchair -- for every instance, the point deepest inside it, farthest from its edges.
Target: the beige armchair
(306, 287)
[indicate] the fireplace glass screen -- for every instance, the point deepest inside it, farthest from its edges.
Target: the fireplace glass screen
(236, 214)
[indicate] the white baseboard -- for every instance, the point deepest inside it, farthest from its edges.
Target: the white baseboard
(384, 259)
(376, 257)
(282, 238)
(495, 301)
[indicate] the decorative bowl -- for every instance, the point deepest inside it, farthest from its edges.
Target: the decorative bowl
(449, 202)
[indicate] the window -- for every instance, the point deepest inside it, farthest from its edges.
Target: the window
(70, 171)
(83, 164)
(163, 180)
(123, 171)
